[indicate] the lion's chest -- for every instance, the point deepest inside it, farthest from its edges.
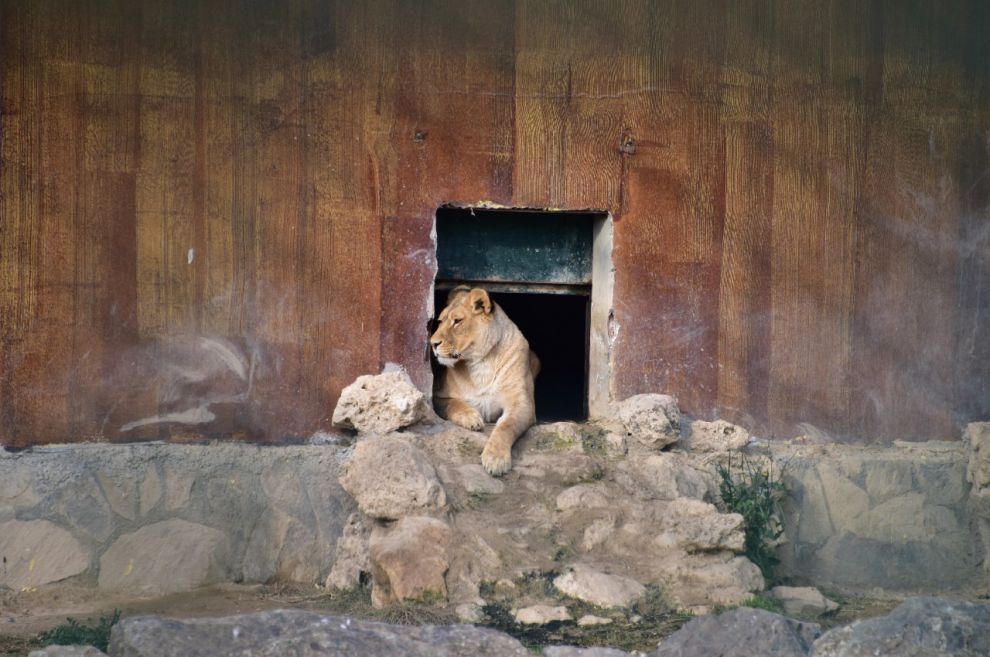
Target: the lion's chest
(483, 395)
(487, 405)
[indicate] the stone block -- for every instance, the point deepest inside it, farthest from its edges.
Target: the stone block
(167, 557)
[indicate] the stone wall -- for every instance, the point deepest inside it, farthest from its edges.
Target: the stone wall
(898, 518)
(154, 518)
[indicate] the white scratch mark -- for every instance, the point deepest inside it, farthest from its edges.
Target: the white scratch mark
(190, 256)
(198, 415)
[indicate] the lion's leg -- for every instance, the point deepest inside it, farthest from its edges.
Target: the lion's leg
(461, 413)
(497, 455)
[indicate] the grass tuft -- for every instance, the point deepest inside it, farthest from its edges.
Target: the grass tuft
(74, 633)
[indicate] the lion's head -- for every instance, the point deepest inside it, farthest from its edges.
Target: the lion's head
(463, 326)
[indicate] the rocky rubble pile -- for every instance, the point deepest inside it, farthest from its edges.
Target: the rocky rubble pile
(920, 627)
(603, 510)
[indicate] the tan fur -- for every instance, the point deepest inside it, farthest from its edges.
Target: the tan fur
(488, 373)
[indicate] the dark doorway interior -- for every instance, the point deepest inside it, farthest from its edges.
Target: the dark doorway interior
(538, 267)
(556, 326)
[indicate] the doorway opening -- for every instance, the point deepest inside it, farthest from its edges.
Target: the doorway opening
(551, 273)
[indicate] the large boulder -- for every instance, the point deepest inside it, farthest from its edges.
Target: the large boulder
(390, 478)
(651, 420)
(741, 632)
(601, 589)
(409, 561)
(381, 403)
(920, 627)
(302, 634)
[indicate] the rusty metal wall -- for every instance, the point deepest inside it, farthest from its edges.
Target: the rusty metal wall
(214, 215)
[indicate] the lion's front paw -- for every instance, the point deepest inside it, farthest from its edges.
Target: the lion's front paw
(469, 418)
(496, 459)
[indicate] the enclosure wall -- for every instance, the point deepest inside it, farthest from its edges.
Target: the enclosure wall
(214, 215)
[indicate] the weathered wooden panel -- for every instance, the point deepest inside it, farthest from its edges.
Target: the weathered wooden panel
(215, 215)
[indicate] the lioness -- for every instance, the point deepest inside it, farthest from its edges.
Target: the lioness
(489, 372)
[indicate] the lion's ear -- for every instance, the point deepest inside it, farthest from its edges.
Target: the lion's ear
(479, 301)
(456, 292)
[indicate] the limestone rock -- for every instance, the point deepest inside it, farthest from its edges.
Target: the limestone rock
(583, 496)
(700, 582)
(351, 558)
(920, 627)
(598, 588)
(302, 634)
(651, 420)
(390, 478)
(166, 557)
(380, 403)
(717, 436)
(741, 632)
(67, 651)
(589, 620)
(541, 614)
(977, 436)
(37, 552)
(697, 526)
(664, 477)
(409, 560)
(802, 600)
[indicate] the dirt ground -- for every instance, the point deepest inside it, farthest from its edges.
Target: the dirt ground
(24, 615)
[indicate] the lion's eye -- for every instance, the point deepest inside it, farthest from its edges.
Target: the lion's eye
(456, 322)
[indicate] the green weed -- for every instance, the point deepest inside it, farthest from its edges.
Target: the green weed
(74, 633)
(753, 494)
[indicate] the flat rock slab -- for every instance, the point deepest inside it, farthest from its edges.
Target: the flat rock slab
(37, 552)
(741, 632)
(302, 634)
(920, 627)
